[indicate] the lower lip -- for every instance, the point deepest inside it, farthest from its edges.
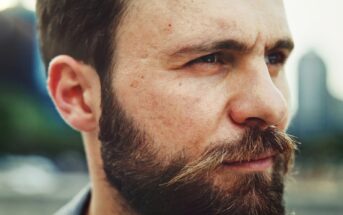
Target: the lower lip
(252, 166)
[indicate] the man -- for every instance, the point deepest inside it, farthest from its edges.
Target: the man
(182, 105)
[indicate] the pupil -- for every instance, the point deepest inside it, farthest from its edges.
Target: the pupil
(210, 59)
(274, 58)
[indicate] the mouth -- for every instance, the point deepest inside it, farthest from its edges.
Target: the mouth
(258, 164)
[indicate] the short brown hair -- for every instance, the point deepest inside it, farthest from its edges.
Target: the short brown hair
(84, 30)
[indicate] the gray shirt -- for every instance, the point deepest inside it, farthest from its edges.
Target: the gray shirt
(78, 205)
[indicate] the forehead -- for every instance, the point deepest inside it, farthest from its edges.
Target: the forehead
(171, 24)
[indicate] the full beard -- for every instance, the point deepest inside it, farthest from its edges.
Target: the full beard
(152, 186)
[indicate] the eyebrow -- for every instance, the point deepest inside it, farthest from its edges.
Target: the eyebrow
(230, 45)
(287, 44)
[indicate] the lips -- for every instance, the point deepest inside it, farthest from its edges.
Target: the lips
(259, 163)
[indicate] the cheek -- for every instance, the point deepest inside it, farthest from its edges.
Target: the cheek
(174, 116)
(176, 121)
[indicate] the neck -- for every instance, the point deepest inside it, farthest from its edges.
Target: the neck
(105, 200)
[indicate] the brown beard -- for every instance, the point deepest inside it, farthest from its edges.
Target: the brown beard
(186, 188)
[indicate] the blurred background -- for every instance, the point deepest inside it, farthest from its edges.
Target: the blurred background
(42, 163)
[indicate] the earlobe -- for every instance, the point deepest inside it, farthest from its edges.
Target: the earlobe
(68, 85)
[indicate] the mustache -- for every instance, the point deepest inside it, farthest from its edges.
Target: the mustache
(254, 143)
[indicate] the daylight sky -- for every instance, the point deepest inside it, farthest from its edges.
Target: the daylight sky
(316, 25)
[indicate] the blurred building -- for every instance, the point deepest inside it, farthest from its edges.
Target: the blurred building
(319, 113)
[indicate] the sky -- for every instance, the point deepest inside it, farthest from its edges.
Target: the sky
(29, 4)
(315, 24)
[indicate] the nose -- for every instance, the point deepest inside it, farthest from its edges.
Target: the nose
(258, 102)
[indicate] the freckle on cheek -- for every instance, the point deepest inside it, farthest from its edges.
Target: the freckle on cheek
(134, 84)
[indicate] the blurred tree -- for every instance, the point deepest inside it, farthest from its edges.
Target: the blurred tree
(28, 121)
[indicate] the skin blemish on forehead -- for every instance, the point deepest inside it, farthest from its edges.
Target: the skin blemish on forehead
(225, 25)
(169, 28)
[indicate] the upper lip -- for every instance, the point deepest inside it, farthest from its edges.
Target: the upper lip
(268, 154)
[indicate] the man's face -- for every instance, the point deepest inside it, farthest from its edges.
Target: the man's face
(191, 77)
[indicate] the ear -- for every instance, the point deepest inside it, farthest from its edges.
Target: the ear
(75, 90)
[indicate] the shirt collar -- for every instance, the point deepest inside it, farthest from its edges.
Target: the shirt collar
(78, 205)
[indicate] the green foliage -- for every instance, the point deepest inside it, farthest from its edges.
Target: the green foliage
(29, 126)
(324, 148)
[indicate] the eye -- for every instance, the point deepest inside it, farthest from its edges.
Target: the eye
(208, 59)
(211, 64)
(275, 58)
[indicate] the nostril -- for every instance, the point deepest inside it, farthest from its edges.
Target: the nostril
(254, 122)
